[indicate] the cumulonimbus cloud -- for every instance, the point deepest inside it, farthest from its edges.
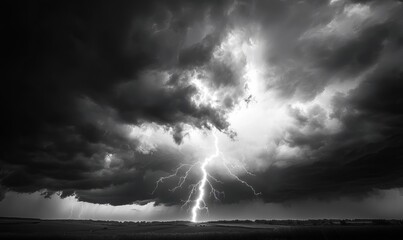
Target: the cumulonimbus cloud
(81, 75)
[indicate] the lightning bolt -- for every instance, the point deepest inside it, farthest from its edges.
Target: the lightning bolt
(237, 178)
(205, 182)
(200, 199)
(182, 179)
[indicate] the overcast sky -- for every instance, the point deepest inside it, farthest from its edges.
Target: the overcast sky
(100, 99)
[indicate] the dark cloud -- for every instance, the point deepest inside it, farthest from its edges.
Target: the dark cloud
(363, 156)
(78, 74)
(318, 44)
(365, 153)
(200, 53)
(351, 174)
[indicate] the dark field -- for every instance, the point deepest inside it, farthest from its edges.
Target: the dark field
(13, 228)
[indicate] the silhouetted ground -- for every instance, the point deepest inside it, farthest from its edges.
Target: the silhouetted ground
(15, 228)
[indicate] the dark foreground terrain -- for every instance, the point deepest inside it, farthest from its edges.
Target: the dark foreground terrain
(15, 228)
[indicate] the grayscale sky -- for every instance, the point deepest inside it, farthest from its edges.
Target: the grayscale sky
(101, 99)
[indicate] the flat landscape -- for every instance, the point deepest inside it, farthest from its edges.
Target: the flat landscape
(16, 228)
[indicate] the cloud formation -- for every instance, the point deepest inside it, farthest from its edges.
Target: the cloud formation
(82, 76)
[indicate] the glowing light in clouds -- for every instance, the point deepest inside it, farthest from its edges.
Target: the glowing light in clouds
(205, 182)
(260, 121)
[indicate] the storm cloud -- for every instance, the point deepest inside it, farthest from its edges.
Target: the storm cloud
(81, 76)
